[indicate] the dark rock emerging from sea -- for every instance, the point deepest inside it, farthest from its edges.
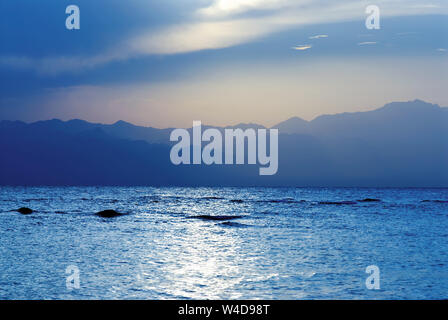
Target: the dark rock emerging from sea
(25, 210)
(109, 214)
(369, 200)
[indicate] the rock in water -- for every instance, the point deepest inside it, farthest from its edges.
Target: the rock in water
(369, 200)
(25, 210)
(108, 214)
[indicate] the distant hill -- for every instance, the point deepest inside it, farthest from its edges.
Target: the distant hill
(397, 118)
(120, 129)
(403, 144)
(293, 125)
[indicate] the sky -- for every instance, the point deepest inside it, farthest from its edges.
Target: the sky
(165, 63)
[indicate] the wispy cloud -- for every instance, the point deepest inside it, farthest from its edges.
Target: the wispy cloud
(366, 43)
(57, 65)
(319, 36)
(219, 8)
(406, 33)
(442, 50)
(426, 5)
(301, 48)
(199, 36)
(223, 24)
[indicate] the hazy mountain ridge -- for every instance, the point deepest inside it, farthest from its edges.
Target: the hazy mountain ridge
(400, 144)
(413, 112)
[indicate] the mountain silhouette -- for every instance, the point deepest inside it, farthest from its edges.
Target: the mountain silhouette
(293, 125)
(394, 119)
(403, 144)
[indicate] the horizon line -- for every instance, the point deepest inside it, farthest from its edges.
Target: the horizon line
(221, 126)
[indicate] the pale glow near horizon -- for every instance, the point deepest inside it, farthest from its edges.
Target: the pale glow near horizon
(255, 94)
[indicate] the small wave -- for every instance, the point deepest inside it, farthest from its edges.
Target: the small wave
(436, 201)
(212, 198)
(163, 198)
(337, 202)
(236, 201)
(219, 218)
(270, 212)
(36, 199)
(285, 200)
(233, 224)
(146, 198)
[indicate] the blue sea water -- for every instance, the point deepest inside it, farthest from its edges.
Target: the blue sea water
(289, 243)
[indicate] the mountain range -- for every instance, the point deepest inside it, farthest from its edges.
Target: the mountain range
(403, 144)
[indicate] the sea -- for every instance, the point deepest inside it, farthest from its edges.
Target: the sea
(224, 243)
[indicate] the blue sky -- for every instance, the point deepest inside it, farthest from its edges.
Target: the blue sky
(167, 63)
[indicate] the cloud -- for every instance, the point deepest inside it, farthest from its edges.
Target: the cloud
(429, 5)
(58, 65)
(319, 36)
(221, 25)
(225, 24)
(229, 7)
(304, 47)
(200, 36)
(441, 50)
(366, 43)
(406, 33)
